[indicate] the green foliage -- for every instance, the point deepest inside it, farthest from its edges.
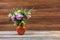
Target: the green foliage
(24, 19)
(17, 22)
(10, 20)
(24, 13)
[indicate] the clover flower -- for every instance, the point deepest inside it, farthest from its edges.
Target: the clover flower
(19, 16)
(13, 18)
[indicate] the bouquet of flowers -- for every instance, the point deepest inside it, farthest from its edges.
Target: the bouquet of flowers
(19, 16)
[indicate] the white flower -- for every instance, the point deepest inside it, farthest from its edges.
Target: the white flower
(29, 13)
(17, 12)
(9, 15)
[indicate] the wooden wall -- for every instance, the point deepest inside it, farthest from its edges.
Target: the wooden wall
(45, 15)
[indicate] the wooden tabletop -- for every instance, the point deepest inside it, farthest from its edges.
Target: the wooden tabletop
(33, 35)
(30, 34)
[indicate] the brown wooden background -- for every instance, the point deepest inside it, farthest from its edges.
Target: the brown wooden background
(45, 15)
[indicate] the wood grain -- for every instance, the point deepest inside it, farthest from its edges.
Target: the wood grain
(45, 14)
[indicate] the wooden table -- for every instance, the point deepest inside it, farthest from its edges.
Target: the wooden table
(30, 35)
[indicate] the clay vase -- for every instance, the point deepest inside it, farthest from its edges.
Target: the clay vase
(21, 30)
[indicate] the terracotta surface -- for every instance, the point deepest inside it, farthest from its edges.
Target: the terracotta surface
(21, 30)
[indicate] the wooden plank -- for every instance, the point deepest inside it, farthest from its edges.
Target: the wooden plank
(48, 20)
(9, 0)
(28, 0)
(36, 19)
(50, 27)
(28, 34)
(39, 3)
(45, 15)
(41, 12)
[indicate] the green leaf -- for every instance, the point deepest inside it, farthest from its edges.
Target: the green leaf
(22, 12)
(28, 13)
(24, 19)
(17, 11)
(30, 10)
(18, 22)
(10, 20)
